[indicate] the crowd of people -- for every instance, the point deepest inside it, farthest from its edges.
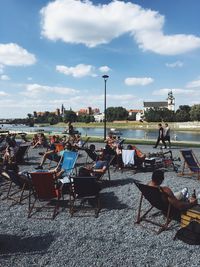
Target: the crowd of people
(110, 153)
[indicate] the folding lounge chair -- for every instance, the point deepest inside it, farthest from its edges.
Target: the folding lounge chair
(84, 189)
(158, 200)
(91, 154)
(191, 165)
(44, 189)
(101, 175)
(17, 186)
(67, 163)
(22, 152)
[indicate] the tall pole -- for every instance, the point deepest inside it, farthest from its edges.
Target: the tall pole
(105, 77)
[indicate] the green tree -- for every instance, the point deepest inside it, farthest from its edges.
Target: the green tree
(183, 113)
(116, 113)
(195, 113)
(69, 116)
(157, 115)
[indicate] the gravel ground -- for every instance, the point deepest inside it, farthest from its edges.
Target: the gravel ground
(112, 239)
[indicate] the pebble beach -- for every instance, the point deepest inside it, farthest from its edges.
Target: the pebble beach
(112, 239)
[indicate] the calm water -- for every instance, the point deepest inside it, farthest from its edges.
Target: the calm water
(126, 133)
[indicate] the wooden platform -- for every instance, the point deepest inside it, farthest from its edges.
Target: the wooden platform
(189, 215)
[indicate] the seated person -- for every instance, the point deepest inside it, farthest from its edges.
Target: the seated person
(52, 154)
(109, 140)
(139, 156)
(178, 200)
(119, 160)
(91, 151)
(35, 140)
(41, 141)
(108, 152)
(97, 169)
(78, 142)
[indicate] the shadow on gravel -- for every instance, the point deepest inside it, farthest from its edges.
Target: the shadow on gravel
(110, 201)
(118, 182)
(13, 244)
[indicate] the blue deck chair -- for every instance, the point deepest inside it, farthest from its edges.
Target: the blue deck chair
(67, 163)
(191, 165)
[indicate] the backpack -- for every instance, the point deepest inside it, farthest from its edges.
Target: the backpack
(189, 234)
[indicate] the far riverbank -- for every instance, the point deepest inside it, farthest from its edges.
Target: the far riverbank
(177, 126)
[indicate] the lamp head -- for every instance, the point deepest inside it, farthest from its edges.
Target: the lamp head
(105, 77)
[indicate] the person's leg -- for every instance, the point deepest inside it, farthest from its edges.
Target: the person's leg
(47, 155)
(163, 141)
(157, 142)
(182, 195)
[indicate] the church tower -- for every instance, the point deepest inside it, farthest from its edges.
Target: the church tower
(171, 101)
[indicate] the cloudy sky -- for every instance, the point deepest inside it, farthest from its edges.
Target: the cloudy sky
(54, 52)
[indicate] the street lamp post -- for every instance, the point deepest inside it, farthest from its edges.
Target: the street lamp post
(105, 77)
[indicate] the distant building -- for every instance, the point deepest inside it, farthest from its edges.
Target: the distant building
(169, 104)
(57, 112)
(137, 112)
(87, 111)
(99, 117)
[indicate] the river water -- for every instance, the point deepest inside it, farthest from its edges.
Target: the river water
(126, 133)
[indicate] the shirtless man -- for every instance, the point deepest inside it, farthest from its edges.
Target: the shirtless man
(177, 200)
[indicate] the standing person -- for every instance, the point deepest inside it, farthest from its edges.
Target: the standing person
(160, 136)
(167, 134)
(70, 128)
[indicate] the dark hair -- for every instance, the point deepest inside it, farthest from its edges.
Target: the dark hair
(129, 147)
(158, 176)
(159, 124)
(92, 147)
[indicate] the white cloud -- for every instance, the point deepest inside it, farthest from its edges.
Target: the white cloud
(176, 91)
(37, 90)
(1, 69)
(2, 93)
(80, 70)
(99, 24)
(132, 81)
(104, 69)
(193, 84)
(4, 77)
(178, 64)
(13, 55)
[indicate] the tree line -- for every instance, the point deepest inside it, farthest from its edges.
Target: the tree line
(182, 114)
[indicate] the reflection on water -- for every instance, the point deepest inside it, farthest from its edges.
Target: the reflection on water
(126, 133)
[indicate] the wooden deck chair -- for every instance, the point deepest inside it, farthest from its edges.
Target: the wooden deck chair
(107, 170)
(85, 189)
(19, 187)
(191, 165)
(158, 200)
(22, 152)
(91, 154)
(68, 164)
(44, 190)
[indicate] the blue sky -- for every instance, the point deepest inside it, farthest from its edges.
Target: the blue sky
(54, 52)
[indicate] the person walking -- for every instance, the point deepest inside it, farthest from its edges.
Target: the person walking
(167, 134)
(160, 136)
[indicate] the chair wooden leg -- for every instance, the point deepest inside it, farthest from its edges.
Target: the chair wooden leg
(98, 207)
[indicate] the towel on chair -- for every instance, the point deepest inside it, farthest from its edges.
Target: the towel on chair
(128, 157)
